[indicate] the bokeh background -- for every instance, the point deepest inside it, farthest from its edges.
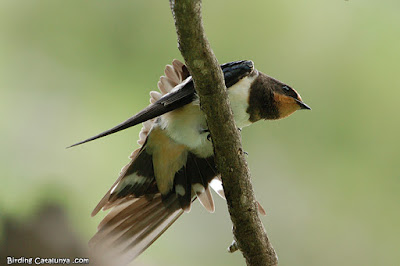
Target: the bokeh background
(329, 179)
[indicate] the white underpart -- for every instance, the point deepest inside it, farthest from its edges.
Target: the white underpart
(186, 125)
(216, 184)
(239, 99)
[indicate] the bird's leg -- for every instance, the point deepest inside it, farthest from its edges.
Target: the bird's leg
(233, 247)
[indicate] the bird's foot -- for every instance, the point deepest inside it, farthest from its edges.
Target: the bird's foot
(233, 247)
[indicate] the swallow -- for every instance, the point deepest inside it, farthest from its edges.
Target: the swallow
(175, 163)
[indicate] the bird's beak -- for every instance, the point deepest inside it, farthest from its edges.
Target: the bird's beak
(303, 105)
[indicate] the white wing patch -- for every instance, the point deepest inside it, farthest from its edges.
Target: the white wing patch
(131, 179)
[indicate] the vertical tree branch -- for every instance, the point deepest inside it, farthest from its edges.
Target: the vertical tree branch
(248, 230)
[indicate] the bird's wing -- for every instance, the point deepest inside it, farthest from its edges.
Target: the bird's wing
(235, 71)
(139, 212)
(141, 208)
(173, 75)
(183, 93)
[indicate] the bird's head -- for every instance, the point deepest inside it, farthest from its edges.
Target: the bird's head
(287, 100)
(271, 99)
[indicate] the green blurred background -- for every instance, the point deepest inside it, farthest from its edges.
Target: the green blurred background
(329, 179)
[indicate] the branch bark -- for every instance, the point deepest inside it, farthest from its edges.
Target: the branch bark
(248, 229)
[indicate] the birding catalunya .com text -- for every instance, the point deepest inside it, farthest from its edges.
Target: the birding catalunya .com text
(44, 261)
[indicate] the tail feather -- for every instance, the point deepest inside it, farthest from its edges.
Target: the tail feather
(131, 215)
(183, 188)
(113, 213)
(202, 172)
(141, 219)
(143, 222)
(206, 200)
(148, 236)
(125, 233)
(104, 201)
(122, 212)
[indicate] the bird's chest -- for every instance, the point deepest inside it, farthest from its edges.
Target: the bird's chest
(187, 125)
(238, 97)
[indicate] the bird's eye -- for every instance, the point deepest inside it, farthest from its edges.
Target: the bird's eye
(286, 88)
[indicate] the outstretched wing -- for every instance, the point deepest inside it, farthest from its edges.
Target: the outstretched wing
(141, 208)
(184, 93)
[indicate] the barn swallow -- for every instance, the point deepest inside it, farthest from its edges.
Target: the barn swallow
(175, 164)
